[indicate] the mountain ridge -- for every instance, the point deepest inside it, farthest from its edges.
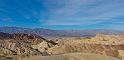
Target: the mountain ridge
(58, 33)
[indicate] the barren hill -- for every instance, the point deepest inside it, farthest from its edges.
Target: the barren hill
(19, 45)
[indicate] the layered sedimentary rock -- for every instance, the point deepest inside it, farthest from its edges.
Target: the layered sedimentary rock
(30, 44)
(79, 46)
(15, 48)
(103, 44)
(21, 44)
(103, 37)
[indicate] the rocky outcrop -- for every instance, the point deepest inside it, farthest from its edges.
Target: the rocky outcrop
(121, 54)
(15, 48)
(79, 46)
(103, 37)
(44, 46)
(21, 44)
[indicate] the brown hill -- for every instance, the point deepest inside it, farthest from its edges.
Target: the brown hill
(21, 44)
(30, 44)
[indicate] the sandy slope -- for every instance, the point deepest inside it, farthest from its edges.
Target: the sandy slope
(73, 56)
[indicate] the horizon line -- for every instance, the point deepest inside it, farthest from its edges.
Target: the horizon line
(56, 29)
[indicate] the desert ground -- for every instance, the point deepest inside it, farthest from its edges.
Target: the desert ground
(73, 56)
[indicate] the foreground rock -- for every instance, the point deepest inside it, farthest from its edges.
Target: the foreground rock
(21, 45)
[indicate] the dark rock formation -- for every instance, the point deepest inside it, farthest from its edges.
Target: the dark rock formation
(5, 36)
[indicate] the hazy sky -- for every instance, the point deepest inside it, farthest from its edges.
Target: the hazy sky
(63, 14)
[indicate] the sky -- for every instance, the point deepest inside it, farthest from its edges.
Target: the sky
(63, 14)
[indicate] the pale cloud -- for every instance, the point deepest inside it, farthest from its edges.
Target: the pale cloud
(89, 13)
(84, 12)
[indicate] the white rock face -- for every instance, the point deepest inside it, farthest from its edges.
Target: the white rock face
(121, 54)
(41, 47)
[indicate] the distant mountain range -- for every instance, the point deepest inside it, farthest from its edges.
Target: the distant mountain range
(58, 33)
